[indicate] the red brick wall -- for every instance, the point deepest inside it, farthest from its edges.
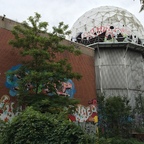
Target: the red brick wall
(8, 57)
(84, 64)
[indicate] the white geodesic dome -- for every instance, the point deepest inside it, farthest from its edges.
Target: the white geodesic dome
(111, 19)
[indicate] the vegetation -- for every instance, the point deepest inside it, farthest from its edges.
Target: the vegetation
(117, 119)
(33, 127)
(2, 128)
(45, 119)
(51, 104)
(118, 140)
(41, 70)
(142, 5)
(38, 124)
(139, 113)
(115, 116)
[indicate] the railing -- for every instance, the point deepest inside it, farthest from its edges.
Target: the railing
(102, 38)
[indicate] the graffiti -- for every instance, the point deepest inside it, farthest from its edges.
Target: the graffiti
(89, 127)
(66, 88)
(85, 114)
(6, 109)
(110, 30)
(86, 117)
(12, 82)
(107, 33)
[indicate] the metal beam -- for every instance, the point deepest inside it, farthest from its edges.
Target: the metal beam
(126, 50)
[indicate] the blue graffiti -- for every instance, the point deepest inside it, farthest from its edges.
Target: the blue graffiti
(12, 81)
(67, 87)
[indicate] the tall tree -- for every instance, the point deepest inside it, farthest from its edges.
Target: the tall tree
(42, 70)
(142, 5)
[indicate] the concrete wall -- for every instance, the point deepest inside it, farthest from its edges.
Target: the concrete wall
(120, 72)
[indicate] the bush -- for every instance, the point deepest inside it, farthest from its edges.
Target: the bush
(2, 127)
(33, 127)
(115, 116)
(118, 140)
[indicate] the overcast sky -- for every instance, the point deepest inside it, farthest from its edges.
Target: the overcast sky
(68, 11)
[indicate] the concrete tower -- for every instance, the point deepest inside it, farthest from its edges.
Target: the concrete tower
(118, 39)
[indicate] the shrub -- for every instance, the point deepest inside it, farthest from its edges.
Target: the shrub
(33, 127)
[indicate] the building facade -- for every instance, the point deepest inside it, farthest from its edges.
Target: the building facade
(112, 44)
(11, 60)
(117, 37)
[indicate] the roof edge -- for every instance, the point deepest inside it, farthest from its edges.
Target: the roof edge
(8, 24)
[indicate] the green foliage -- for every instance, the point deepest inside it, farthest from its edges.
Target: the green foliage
(42, 69)
(2, 128)
(33, 127)
(142, 5)
(45, 118)
(114, 116)
(139, 104)
(139, 113)
(118, 140)
(51, 104)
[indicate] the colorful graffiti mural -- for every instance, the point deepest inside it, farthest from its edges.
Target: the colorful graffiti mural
(67, 87)
(6, 109)
(85, 114)
(110, 30)
(86, 117)
(107, 33)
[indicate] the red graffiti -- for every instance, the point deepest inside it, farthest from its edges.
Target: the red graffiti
(84, 114)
